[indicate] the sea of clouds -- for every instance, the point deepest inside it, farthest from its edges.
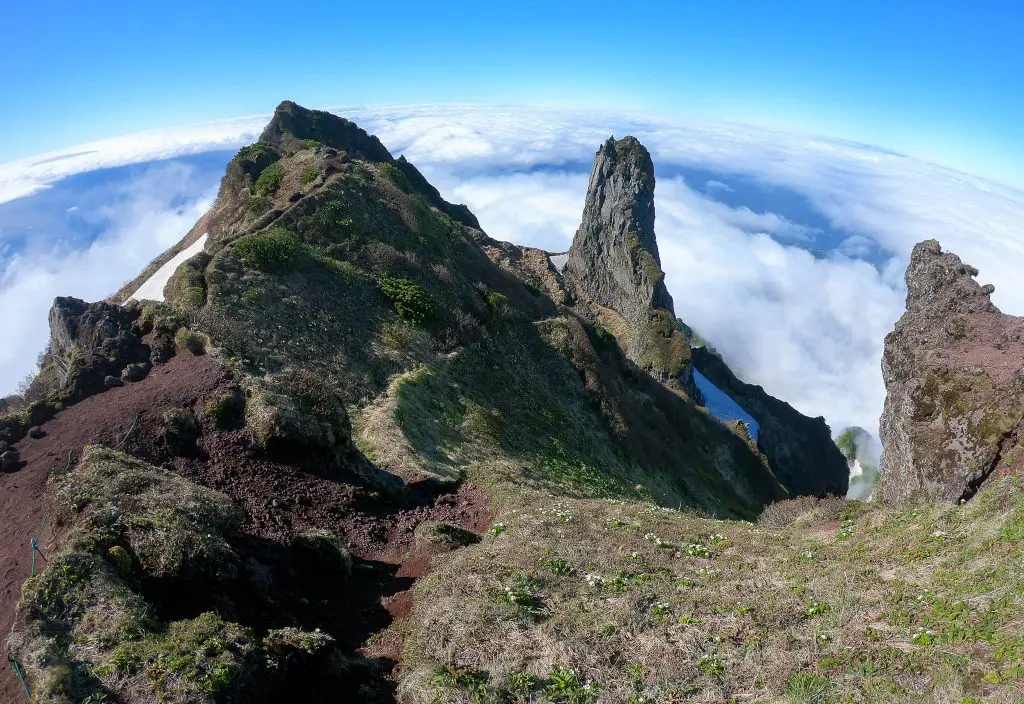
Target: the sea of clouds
(785, 251)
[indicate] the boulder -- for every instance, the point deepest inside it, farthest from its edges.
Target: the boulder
(35, 432)
(135, 372)
(112, 381)
(953, 369)
(90, 342)
(161, 350)
(9, 461)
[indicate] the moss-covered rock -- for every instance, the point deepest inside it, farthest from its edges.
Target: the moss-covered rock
(186, 288)
(293, 410)
(83, 625)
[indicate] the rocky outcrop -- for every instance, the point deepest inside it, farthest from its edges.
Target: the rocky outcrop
(293, 124)
(954, 376)
(90, 342)
(614, 267)
(799, 449)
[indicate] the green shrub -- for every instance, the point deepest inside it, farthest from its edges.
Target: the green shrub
(411, 300)
(190, 340)
(496, 299)
(272, 251)
(253, 152)
(308, 175)
(270, 179)
(257, 204)
(396, 176)
(225, 409)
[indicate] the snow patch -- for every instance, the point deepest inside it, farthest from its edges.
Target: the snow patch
(721, 405)
(153, 287)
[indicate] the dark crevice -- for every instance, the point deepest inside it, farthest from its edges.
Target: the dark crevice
(1006, 440)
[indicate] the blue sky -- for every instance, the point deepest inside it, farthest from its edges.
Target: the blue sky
(939, 80)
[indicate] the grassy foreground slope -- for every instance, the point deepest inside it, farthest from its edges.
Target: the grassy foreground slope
(823, 601)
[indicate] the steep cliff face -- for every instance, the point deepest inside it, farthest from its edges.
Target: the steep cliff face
(799, 449)
(954, 375)
(614, 267)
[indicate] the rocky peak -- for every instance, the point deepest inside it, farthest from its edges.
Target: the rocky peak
(940, 283)
(614, 255)
(954, 375)
(293, 124)
(614, 266)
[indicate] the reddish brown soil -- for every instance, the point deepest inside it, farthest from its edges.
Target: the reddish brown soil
(283, 497)
(104, 418)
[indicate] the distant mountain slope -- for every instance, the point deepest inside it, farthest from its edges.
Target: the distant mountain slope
(799, 449)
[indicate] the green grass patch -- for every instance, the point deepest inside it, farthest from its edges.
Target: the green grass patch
(269, 179)
(272, 251)
(411, 300)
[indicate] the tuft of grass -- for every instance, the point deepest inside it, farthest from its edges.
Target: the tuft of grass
(225, 409)
(293, 410)
(191, 341)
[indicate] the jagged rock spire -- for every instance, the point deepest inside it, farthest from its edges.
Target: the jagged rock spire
(614, 255)
(614, 265)
(939, 283)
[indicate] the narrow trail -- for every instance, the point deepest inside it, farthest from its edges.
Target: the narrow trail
(281, 501)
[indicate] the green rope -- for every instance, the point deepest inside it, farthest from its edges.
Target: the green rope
(130, 431)
(17, 670)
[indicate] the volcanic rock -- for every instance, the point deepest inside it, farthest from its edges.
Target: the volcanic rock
(614, 266)
(90, 342)
(953, 375)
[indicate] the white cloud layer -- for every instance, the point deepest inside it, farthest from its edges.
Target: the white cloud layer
(808, 328)
(32, 174)
(140, 224)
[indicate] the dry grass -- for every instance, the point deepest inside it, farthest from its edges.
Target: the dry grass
(653, 605)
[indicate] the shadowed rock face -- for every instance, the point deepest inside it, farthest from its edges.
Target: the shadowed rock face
(799, 449)
(614, 266)
(953, 371)
(90, 341)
